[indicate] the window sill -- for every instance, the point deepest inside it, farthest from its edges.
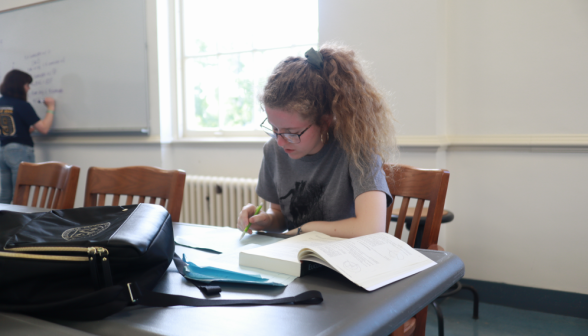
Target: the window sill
(115, 140)
(222, 140)
(96, 140)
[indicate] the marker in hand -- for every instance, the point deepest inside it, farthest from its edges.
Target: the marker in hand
(249, 225)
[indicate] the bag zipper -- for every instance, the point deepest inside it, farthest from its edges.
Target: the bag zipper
(41, 257)
(50, 249)
(14, 253)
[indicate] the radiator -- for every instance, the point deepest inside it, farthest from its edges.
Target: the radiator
(217, 201)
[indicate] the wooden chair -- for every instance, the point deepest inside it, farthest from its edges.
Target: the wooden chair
(423, 185)
(58, 181)
(148, 183)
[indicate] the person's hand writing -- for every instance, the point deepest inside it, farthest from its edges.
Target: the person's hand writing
(50, 103)
(258, 222)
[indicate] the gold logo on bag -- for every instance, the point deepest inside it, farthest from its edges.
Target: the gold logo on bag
(84, 231)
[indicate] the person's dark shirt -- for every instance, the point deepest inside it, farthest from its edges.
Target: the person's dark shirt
(16, 117)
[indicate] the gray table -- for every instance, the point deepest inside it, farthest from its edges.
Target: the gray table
(347, 309)
(22, 325)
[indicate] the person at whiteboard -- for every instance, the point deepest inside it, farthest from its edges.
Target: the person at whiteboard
(322, 169)
(17, 120)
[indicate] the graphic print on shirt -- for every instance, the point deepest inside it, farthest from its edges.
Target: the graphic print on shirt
(7, 122)
(305, 203)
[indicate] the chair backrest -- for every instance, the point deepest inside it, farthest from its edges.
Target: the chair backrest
(58, 182)
(423, 185)
(146, 183)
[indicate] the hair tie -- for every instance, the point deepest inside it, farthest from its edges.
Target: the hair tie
(314, 57)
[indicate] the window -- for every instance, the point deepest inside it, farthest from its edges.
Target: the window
(228, 49)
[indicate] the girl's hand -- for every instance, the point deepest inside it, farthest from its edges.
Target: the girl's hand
(50, 103)
(258, 222)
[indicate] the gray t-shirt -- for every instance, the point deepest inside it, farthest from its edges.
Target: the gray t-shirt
(316, 187)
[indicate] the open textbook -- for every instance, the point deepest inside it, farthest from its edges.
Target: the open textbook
(370, 261)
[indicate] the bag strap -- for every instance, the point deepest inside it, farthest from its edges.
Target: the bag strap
(155, 299)
(205, 289)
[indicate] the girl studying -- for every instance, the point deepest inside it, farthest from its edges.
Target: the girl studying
(330, 129)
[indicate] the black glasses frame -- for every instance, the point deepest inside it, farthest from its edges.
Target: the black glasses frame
(292, 138)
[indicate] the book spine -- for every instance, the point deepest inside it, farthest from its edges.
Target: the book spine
(309, 267)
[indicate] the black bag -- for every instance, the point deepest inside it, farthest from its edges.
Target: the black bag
(89, 263)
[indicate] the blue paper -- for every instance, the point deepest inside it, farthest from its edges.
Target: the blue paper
(210, 274)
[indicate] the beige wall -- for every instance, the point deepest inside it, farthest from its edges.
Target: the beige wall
(518, 67)
(493, 90)
(398, 39)
(519, 216)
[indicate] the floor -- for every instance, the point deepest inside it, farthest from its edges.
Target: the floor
(498, 320)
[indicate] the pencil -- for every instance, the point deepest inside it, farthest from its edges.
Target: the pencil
(249, 225)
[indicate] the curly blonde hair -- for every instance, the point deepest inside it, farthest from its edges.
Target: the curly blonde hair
(362, 120)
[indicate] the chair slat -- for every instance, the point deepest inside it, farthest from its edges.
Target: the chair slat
(43, 198)
(152, 200)
(141, 199)
(115, 199)
(49, 203)
(416, 218)
(36, 196)
(54, 198)
(401, 217)
(162, 202)
(129, 199)
(101, 199)
(26, 192)
(93, 200)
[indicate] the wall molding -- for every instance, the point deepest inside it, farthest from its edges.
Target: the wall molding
(495, 140)
(579, 141)
(528, 298)
(96, 140)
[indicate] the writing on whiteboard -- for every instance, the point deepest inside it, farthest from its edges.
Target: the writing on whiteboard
(44, 66)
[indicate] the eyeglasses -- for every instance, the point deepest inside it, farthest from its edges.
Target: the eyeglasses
(292, 138)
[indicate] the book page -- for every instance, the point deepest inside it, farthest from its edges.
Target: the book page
(288, 249)
(370, 261)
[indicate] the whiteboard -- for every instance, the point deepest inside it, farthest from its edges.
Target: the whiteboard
(90, 55)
